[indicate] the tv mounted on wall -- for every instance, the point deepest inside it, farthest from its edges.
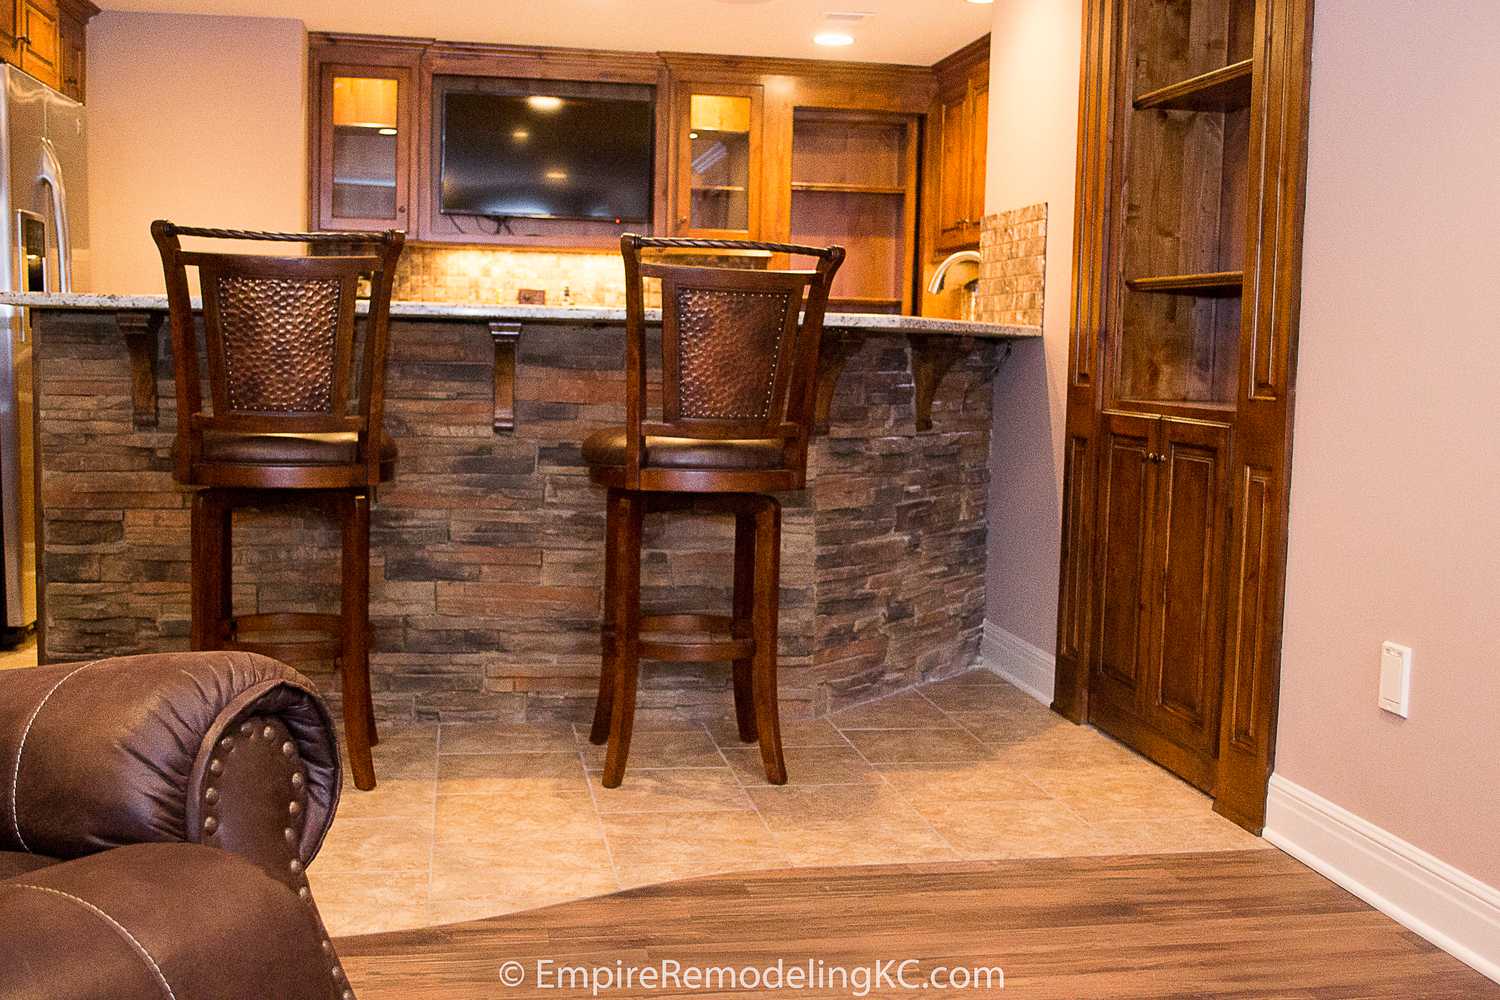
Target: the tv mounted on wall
(544, 156)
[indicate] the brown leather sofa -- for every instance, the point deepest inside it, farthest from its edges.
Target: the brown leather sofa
(157, 814)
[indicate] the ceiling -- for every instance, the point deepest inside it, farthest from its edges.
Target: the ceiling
(897, 31)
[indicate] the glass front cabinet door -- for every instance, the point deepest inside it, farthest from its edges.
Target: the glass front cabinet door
(364, 147)
(717, 135)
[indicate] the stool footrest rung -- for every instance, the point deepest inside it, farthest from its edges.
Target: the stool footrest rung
(693, 638)
(240, 631)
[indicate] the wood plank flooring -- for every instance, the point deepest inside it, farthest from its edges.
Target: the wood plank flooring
(1235, 924)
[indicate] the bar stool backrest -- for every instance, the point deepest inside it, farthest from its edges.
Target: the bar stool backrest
(739, 346)
(279, 337)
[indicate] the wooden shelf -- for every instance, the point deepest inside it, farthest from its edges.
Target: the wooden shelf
(1224, 89)
(718, 189)
(839, 188)
(1217, 284)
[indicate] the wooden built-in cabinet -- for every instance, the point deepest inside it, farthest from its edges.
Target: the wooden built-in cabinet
(1177, 446)
(716, 163)
(46, 39)
(363, 137)
(958, 132)
(853, 184)
(770, 149)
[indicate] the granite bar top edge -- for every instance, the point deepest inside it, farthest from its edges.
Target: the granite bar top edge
(879, 322)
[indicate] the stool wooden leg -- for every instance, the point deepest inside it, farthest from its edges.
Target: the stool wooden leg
(209, 572)
(764, 612)
(626, 612)
(354, 665)
(599, 732)
(744, 599)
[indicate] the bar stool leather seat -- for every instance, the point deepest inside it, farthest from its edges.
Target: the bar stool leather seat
(606, 448)
(333, 448)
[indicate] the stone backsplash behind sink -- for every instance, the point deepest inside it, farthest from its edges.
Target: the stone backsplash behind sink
(483, 276)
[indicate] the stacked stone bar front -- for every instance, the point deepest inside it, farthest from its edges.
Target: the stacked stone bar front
(487, 551)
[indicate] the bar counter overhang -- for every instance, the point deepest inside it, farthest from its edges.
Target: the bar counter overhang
(487, 550)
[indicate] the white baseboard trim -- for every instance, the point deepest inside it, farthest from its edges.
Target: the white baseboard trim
(1018, 661)
(1448, 907)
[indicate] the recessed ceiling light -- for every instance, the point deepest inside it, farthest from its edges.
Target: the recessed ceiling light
(981, 1)
(556, 175)
(387, 131)
(520, 135)
(833, 38)
(543, 102)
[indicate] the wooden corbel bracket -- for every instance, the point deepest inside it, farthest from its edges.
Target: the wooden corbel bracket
(142, 333)
(507, 338)
(932, 355)
(833, 354)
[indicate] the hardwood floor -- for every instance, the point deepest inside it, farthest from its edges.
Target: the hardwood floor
(1237, 924)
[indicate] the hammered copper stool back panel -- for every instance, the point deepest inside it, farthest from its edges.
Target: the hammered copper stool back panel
(739, 345)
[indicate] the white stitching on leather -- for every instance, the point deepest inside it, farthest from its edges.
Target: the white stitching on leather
(15, 778)
(109, 920)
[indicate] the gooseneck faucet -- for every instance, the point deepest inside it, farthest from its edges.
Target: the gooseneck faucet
(968, 301)
(941, 274)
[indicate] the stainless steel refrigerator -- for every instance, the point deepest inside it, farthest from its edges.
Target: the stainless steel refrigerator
(44, 231)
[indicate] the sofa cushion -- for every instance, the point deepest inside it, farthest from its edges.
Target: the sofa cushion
(19, 863)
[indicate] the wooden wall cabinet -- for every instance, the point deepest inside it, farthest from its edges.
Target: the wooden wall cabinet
(72, 42)
(958, 132)
(47, 39)
(717, 164)
(853, 183)
(363, 135)
(38, 46)
(1178, 435)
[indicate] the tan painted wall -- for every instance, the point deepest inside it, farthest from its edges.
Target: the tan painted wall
(1396, 469)
(1034, 56)
(193, 118)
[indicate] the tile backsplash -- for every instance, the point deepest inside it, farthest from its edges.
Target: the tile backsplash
(1011, 277)
(475, 276)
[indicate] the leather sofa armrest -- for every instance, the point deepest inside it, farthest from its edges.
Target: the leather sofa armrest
(162, 920)
(229, 749)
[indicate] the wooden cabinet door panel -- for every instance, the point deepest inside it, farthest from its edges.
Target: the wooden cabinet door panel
(979, 130)
(1185, 669)
(1124, 557)
(71, 34)
(953, 168)
(37, 45)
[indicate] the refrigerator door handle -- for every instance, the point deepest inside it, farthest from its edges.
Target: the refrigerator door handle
(52, 175)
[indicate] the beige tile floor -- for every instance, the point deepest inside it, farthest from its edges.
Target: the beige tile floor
(24, 655)
(475, 820)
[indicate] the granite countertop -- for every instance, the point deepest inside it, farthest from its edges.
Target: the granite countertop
(89, 301)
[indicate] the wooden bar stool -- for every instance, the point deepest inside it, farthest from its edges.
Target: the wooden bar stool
(737, 391)
(288, 416)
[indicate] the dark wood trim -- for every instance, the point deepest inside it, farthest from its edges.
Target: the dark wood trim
(142, 333)
(1261, 456)
(507, 338)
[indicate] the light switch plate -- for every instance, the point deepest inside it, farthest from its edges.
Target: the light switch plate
(1395, 678)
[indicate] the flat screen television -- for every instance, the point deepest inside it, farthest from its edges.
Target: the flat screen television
(546, 157)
